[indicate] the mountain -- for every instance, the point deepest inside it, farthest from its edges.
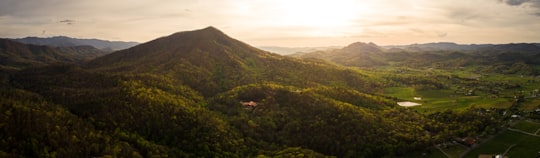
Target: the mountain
(448, 46)
(18, 55)
(356, 54)
(63, 41)
(212, 62)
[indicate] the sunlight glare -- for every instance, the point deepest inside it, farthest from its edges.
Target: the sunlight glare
(322, 14)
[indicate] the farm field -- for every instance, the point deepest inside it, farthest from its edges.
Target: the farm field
(440, 100)
(439, 90)
(528, 126)
(525, 145)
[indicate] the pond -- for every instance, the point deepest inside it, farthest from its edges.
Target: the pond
(408, 103)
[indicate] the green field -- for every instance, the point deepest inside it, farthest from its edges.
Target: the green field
(526, 145)
(454, 150)
(440, 100)
(530, 104)
(527, 126)
(490, 90)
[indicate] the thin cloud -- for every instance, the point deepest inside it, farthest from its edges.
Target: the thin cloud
(442, 34)
(67, 21)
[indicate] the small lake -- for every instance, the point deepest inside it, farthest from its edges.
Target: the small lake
(408, 103)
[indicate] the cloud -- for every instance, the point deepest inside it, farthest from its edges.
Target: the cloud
(514, 2)
(442, 34)
(534, 4)
(67, 21)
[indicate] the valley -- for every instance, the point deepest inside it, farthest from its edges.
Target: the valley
(428, 81)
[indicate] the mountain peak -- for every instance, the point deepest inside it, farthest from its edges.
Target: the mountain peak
(198, 47)
(209, 32)
(363, 47)
(210, 28)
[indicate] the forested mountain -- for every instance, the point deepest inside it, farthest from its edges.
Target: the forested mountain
(63, 41)
(18, 55)
(213, 62)
(204, 94)
(356, 54)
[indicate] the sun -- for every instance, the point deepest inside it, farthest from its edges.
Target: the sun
(320, 13)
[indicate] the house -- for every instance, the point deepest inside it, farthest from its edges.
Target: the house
(249, 104)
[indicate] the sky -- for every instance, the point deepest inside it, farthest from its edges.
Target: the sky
(288, 23)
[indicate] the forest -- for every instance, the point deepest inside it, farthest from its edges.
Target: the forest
(181, 95)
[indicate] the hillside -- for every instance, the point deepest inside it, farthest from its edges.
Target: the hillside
(202, 93)
(63, 41)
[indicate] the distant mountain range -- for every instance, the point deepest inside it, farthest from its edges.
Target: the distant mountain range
(441, 54)
(292, 50)
(356, 54)
(63, 41)
(449, 46)
(19, 55)
(446, 46)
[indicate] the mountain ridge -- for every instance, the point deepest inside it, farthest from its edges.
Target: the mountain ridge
(360, 54)
(19, 55)
(65, 41)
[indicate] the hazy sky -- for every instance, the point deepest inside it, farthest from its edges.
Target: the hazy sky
(290, 23)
